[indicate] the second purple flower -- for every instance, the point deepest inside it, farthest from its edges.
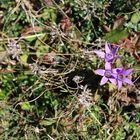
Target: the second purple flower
(109, 55)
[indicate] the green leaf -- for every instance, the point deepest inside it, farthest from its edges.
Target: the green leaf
(138, 27)
(116, 35)
(2, 95)
(30, 38)
(23, 58)
(26, 106)
(39, 42)
(42, 50)
(47, 121)
(135, 18)
(50, 13)
(137, 67)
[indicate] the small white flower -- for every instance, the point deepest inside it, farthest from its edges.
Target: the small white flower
(14, 49)
(85, 98)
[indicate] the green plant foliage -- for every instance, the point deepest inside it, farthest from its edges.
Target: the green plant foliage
(48, 121)
(116, 35)
(135, 17)
(26, 106)
(2, 95)
(48, 86)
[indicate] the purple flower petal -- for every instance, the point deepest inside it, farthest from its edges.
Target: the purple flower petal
(112, 80)
(100, 53)
(109, 57)
(115, 50)
(100, 72)
(114, 70)
(107, 66)
(128, 81)
(103, 80)
(107, 48)
(117, 70)
(119, 84)
(127, 72)
(114, 76)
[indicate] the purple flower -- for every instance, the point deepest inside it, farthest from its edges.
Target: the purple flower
(107, 74)
(109, 55)
(122, 76)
